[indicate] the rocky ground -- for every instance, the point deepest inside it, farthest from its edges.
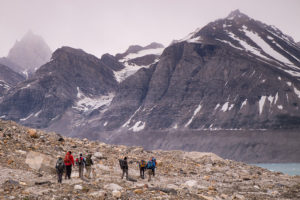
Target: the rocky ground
(28, 158)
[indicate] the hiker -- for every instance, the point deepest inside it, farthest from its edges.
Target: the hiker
(124, 167)
(154, 161)
(80, 162)
(142, 166)
(88, 165)
(150, 168)
(69, 161)
(60, 168)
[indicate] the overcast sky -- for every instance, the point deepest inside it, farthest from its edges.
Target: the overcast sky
(110, 26)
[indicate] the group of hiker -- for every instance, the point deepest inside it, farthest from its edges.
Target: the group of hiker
(66, 164)
(143, 165)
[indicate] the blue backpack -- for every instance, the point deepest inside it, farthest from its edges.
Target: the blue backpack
(150, 165)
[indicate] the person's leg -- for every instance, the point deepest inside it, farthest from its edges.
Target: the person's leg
(79, 171)
(153, 171)
(70, 172)
(149, 174)
(88, 171)
(123, 172)
(126, 174)
(143, 173)
(60, 174)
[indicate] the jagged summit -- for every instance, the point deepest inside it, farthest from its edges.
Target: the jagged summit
(236, 14)
(30, 52)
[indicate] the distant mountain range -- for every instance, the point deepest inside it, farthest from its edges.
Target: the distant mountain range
(235, 73)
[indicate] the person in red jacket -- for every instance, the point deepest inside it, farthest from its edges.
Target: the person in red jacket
(69, 161)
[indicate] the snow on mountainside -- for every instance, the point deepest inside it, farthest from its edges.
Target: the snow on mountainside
(235, 73)
(266, 43)
(8, 79)
(137, 57)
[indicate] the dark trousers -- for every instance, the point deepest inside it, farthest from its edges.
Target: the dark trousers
(68, 171)
(59, 176)
(125, 171)
(142, 172)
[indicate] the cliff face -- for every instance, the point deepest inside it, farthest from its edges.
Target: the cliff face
(28, 158)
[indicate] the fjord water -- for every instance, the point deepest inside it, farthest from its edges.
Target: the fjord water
(286, 168)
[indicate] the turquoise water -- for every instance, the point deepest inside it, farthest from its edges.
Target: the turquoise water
(286, 168)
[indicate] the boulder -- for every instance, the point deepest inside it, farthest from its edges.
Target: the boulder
(78, 187)
(191, 183)
(113, 187)
(116, 194)
(39, 161)
(32, 133)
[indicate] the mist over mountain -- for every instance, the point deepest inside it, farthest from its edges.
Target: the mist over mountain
(29, 53)
(234, 74)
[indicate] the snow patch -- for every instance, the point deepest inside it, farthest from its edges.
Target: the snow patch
(270, 99)
(38, 113)
(244, 103)
(129, 120)
(86, 103)
(276, 98)
(105, 124)
(279, 78)
(289, 83)
(195, 40)
(127, 71)
(297, 92)
(225, 107)
(138, 126)
(280, 107)
(261, 103)
(195, 113)
(24, 119)
(157, 51)
(217, 106)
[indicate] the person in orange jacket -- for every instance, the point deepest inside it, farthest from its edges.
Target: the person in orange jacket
(69, 161)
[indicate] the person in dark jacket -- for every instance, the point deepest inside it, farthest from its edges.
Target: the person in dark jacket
(88, 165)
(60, 168)
(81, 163)
(142, 166)
(69, 161)
(125, 168)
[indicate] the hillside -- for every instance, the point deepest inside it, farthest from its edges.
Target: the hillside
(28, 157)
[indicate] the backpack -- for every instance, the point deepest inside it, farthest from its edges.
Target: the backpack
(150, 165)
(143, 163)
(122, 164)
(154, 160)
(60, 166)
(88, 161)
(67, 159)
(79, 161)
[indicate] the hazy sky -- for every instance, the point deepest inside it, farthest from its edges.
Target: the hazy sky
(110, 26)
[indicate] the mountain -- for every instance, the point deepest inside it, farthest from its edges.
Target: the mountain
(70, 80)
(29, 53)
(137, 57)
(29, 156)
(8, 79)
(13, 66)
(298, 43)
(231, 87)
(234, 73)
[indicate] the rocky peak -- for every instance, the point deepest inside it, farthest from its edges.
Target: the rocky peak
(111, 62)
(30, 52)
(237, 14)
